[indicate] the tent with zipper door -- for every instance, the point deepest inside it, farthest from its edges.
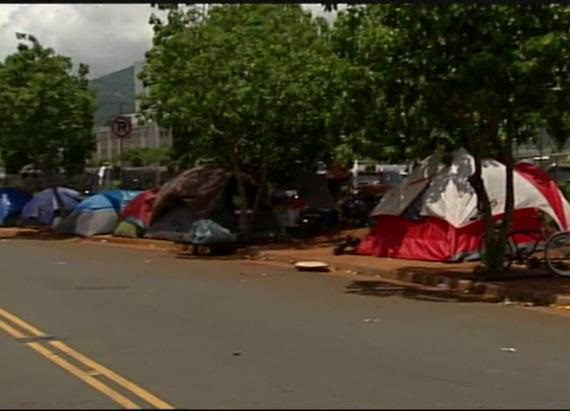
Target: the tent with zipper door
(45, 207)
(98, 214)
(433, 214)
(12, 202)
(135, 218)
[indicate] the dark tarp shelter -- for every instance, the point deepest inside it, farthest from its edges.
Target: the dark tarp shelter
(203, 192)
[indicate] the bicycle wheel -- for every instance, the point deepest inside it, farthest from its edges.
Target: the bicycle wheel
(558, 254)
(509, 253)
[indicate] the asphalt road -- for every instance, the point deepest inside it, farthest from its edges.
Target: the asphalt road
(207, 334)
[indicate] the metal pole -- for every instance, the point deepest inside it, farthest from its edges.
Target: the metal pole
(120, 139)
(121, 147)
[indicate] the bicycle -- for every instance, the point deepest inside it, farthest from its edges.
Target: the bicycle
(557, 253)
(522, 245)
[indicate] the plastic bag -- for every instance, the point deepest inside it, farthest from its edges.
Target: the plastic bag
(206, 232)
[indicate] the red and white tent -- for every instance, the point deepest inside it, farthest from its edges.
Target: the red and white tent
(433, 214)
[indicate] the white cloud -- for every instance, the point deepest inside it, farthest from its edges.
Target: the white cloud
(107, 37)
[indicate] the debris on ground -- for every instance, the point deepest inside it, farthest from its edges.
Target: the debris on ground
(147, 261)
(312, 266)
(61, 263)
(509, 349)
(236, 354)
(371, 320)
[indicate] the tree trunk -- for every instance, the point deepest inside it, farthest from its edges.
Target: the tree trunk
(494, 247)
(243, 224)
(261, 189)
(510, 189)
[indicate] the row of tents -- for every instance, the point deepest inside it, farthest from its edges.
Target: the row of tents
(168, 212)
(432, 215)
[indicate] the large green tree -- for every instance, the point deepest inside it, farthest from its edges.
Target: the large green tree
(482, 77)
(246, 85)
(46, 110)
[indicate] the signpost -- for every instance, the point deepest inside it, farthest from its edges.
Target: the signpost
(121, 128)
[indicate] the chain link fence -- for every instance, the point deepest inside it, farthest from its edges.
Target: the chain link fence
(92, 181)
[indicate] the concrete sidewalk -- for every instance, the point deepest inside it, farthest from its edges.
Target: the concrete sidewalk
(447, 280)
(452, 280)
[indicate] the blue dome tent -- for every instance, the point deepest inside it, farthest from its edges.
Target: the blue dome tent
(98, 214)
(45, 206)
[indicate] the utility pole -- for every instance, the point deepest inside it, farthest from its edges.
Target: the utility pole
(121, 140)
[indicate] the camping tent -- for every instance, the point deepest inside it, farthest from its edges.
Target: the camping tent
(98, 214)
(433, 214)
(44, 206)
(198, 193)
(12, 201)
(201, 186)
(135, 218)
(172, 225)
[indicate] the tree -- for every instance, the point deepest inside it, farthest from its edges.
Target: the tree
(46, 110)
(145, 156)
(483, 77)
(248, 85)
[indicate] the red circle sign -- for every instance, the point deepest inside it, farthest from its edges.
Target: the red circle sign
(121, 126)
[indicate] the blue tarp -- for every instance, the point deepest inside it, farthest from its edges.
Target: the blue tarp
(12, 201)
(115, 200)
(43, 206)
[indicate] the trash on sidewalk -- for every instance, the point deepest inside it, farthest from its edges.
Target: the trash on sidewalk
(61, 263)
(312, 266)
(509, 349)
(371, 320)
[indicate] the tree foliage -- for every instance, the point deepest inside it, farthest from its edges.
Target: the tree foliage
(248, 85)
(145, 156)
(483, 77)
(46, 110)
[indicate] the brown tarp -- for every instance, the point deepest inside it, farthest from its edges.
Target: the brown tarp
(200, 187)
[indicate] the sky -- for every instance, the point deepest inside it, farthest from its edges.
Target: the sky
(107, 37)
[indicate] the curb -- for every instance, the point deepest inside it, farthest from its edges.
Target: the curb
(459, 288)
(139, 243)
(463, 289)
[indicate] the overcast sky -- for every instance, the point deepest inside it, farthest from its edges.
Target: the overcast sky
(107, 37)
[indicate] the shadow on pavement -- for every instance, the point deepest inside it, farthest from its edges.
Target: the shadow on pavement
(446, 270)
(381, 289)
